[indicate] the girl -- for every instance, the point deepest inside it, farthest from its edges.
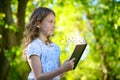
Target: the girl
(43, 55)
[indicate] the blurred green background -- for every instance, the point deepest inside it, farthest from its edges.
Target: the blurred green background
(96, 20)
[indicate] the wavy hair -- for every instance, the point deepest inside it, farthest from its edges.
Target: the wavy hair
(31, 31)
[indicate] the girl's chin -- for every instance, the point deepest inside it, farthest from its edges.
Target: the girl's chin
(51, 35)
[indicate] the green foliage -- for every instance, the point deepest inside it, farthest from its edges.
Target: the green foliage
(1, 19)
(99, 27)
(19, 68)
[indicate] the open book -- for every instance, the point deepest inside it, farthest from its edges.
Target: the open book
(78, 51)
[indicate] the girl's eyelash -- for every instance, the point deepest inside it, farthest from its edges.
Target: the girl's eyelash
(52, 21)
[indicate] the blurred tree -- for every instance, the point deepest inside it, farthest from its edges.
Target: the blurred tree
(99, 23)
(103, 17)
(6, 10)
(9, 37)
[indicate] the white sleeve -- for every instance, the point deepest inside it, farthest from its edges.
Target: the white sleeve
(33, 49)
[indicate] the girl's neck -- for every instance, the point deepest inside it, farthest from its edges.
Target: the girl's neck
(43, 38)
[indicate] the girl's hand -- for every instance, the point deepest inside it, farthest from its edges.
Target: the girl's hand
(68, 65)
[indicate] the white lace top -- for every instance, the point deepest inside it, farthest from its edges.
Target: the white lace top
(49, 56)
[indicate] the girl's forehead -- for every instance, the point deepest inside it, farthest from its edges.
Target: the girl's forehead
(50, 16)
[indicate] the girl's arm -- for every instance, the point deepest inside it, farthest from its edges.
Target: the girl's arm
(61, 75)
(36, 66)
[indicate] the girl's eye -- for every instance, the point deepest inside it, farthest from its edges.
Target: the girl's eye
(52, 22)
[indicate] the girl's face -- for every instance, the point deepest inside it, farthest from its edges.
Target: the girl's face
(47, 26)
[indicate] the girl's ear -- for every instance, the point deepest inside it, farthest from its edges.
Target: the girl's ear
(37, 24)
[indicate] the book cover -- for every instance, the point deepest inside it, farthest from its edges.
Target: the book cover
(78, 51)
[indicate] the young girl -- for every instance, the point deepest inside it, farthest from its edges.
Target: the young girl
(43, 55)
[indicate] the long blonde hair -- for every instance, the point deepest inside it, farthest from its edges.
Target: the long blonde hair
(31, 31)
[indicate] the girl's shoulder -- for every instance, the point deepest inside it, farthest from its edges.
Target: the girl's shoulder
(33, 48)
(35, 42)
(56, 46)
